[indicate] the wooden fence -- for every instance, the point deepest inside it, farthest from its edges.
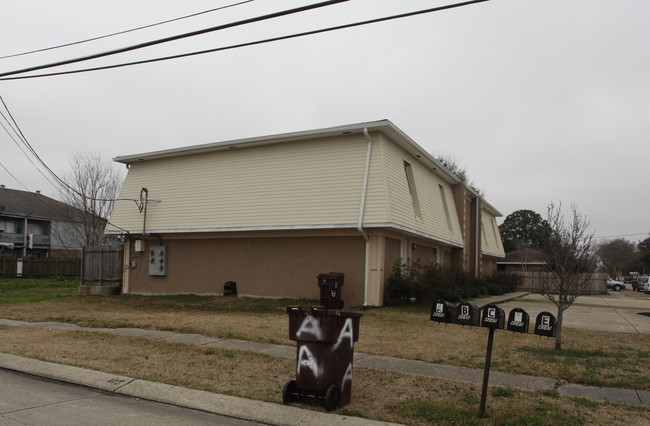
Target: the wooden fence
(532, 281)
(40, 267)
(102, 265)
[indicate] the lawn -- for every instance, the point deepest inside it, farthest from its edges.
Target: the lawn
(606, 359)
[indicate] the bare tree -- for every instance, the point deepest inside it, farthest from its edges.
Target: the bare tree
(92, 185)
(571, 261)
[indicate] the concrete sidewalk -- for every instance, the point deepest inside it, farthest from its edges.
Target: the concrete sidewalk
(281, 414)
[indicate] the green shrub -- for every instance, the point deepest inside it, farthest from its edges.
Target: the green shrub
(401, 285)
(429, 282)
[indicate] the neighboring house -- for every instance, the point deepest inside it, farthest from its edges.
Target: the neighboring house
(32, 224)
(524, 260)
(271, 213)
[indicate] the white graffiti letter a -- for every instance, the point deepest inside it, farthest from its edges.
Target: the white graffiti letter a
(306, 359)
(346, 332)
(310, 325)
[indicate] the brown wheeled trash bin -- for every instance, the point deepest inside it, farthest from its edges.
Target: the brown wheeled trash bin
(325, 352)
(330, 289)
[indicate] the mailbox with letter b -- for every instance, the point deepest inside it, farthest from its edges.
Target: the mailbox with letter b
(493, 317)
(443, 311)
(468, 314)
(545, 324)
(518, 320)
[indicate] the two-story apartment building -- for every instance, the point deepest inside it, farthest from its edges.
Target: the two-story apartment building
(32, 224)
(272, 212)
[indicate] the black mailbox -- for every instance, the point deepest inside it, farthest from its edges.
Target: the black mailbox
(443, 311)
(545, 324)
(493, 317)
(518, 320)
(230, 289)
(468, 314)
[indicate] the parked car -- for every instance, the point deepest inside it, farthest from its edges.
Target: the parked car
(615, 285)
(629, 279)
(642, 284)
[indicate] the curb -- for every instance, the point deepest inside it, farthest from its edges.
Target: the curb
(231, 406)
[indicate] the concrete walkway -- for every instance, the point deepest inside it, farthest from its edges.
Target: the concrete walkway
(280, 414)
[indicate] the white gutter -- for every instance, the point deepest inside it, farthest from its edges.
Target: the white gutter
(364, 191)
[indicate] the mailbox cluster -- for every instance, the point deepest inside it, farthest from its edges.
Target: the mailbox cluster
(492, 316)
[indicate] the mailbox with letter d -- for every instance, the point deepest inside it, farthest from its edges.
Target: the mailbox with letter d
(545, 324)
(493, 317)
(467, 314)
(443, 311)
(518, 320)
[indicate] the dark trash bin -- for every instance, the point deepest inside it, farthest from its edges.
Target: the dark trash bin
(230, 289)
(325, 348)
(330, 289)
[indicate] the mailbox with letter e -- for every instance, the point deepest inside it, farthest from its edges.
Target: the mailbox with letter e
(493, 317)
(518, 320)
(468, 314)
(545, 324)
(443, 311)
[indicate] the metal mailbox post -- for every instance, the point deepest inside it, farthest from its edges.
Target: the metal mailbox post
(493, 318)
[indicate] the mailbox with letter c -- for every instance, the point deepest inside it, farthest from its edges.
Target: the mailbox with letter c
(493, 317)
(468, 314)
(443, 311)
(518, 320)
(545, 324)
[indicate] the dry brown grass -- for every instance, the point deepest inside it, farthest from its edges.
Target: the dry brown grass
(377, 394)
(588, 357)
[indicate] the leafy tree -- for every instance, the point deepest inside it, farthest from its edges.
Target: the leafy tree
(524, 229)
(92, 185)
(643, 259)
(570, 263)
(617, 255)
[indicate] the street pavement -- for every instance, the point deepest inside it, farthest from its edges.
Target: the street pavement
(28, 400)
(614, 312)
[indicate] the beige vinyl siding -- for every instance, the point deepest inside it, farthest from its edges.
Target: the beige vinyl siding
(427, 183)
(310, 183)
(491, 241)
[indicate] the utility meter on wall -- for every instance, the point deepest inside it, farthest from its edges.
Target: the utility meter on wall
(158, 260)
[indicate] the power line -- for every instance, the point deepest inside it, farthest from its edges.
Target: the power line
(625, 235)
(125, 31)
(15, 178)
(252, 43)
(176, 37)
(20, 147)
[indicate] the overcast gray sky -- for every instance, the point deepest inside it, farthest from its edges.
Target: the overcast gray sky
(540, 100)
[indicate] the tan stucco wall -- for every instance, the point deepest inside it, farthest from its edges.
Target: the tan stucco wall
(261, 266)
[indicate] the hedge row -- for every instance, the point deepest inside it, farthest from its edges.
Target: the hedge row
(429, 282)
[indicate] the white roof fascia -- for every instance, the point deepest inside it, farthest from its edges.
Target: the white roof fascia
(384, 126)
(291, 228)
(486, 253)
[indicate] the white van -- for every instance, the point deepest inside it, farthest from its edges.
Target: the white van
(643, 283)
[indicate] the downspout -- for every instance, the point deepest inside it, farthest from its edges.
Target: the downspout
(360, 222)
(478, 236)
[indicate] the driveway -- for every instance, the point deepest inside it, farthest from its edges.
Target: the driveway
(614, 312)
